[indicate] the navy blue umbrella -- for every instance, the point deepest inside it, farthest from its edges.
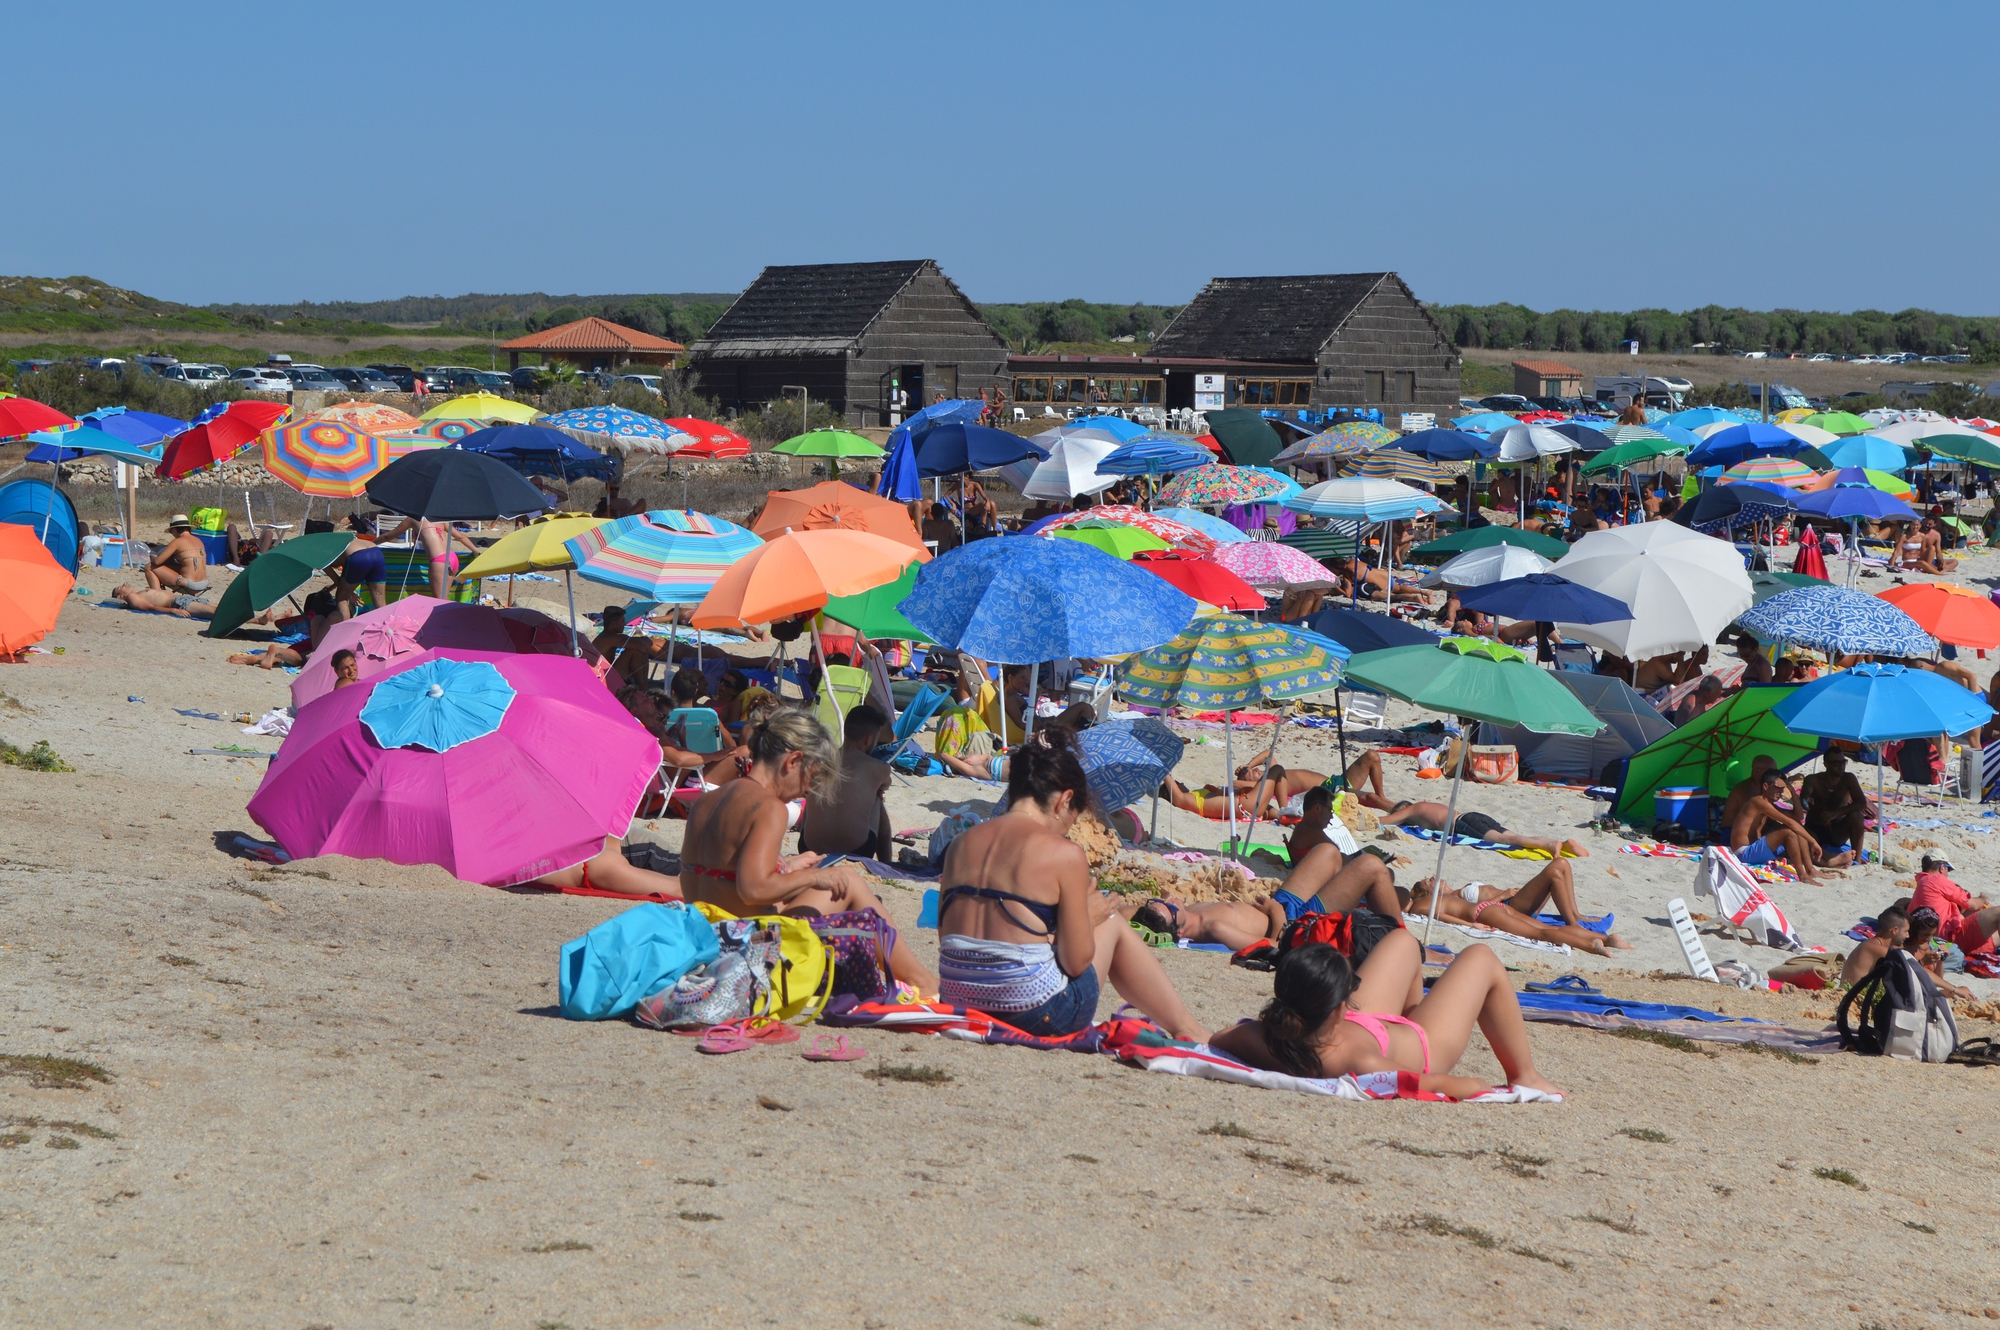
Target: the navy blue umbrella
(1740, 443)
(1857, 501)
(1587, 438)
(1544, 598)
(899, 472)
(1744, 503)
(955, 448)
(1447, 445)
(539, 451)
(1359, 631)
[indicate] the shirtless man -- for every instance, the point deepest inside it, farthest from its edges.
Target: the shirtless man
(177, 603)
(1748, 789)
(1479, 826)
(1836, 809)
(1233, 924)
(436, 538)
(1328, 882)
(1950, 669)
(1892, 929)
(1315, 811)
(1706, 697)
(183, 564)
(1931, 557)
(1657, 673)
(1487, 906)
(851, 817)
(1756, 669)
(1762, 832)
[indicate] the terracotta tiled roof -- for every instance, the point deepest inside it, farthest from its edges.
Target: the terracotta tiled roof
(1547, 367)
(591, 334)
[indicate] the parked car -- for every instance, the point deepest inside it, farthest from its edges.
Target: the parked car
(491, 380)
(262, 379)
(1506, 402)
(650, 382)
(530, 378)
(457, 377)
(364, 380)
(1567, 405)
(196, 375)
(314, 379)
(401, 375)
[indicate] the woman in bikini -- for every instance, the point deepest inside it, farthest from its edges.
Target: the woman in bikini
(1325, 1020)
(610, 870)
(436, 538)
(1488, 907)
(730, 857)
(1023, 933)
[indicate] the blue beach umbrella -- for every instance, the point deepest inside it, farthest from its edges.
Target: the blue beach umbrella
(535, 450)
(1357, 631)
(1837, 621)
(956, 448)
(617, 426)
(1740, 443)
(1126, 758)
(1856, 503)
(1544, 598)
(1207, 523)
(1447, 445)
(1696, 416)
(1155, 457)
(1117, 427)
(899, 471)
(438, 705)
(1484, 422)
(1868, 451)
(1588, 436)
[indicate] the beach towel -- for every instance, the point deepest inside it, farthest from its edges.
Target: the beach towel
(1777, 871)
(1811, 1042)
(1603, 1004)
(1473, 843)
(1742, 901)
(1417, 923)
(1139, 1044)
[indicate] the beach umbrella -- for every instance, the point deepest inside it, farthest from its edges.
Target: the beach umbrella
(1150, 457)
(535, 450)
(1183, 537)
(535, 765)
(1726, 507)
(1763, 586)
(538, 547)
(222, 437)
(1335, 539)
(1207, 524)
(1208, 582)
(1120, 542)
(1839, 622)
(483, 408)
(33, 588)
(1917, 426)
(1740, 443)
(1272, 565)
(1364, 499)
(1684, 588)
(835, 505)
(1620, 456)
(104, 434)
(710, 440)
(1771, 471)
(1474, 679)
(451, 485)
(1836, 422)
(1589, 436)
(798, 572)
(1353, 438)
(1246, 438)
(1544, 598)
(1447, 445)
(1697, 416)
(387, 637)
(327, 458)
(954, 449)
(1218, 485)
(1811, 435)
(1521, 443)
(1630, 723)
(1978, 449)
(24, 415)
(1358, 631)
(1127, 758)
(1119, 428)
(1950, 613)
(1393, 464)
(1485, 422)
(1868, 452)
(1714, 751)
(1070, 469)
(674, 556)
(1025, 601)
(375, 417)
(873, 613)
(899, 479)
(1485, 537)
(1486, 565)
(273, 575)
(832, 444)
(617, 428)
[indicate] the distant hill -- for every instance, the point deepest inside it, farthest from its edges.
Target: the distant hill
(682, 317)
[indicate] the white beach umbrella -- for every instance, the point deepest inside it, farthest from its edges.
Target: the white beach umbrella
(1906, 432)
(1683, 587)
(1365, 497)
(1495, 563)
(1071, 467)
(1809, 434)
(1521, 443)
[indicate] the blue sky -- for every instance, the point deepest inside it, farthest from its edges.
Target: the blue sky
(1830, 155)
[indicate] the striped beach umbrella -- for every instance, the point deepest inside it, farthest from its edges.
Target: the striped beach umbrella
(1771, 471)
(1219, 485)
(1338, 539)
(325, 458)
(674, 556)
(1392, 464)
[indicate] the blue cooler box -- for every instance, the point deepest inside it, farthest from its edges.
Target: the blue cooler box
(1687, 805)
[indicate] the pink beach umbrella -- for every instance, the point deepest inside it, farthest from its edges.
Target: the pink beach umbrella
(1266, 565)
(538, 765)
(384, 638)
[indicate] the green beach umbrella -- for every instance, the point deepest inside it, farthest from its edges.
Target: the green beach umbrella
(1715, 749)
(1120, 542)
(1326, 542)
(273, 575)
(873, 613)
(1480, 537)
(832, 444)
(1621, 455)
(1960, 447)
(1838, 422)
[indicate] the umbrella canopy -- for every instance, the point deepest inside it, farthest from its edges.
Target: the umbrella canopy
(800, 571)
(1740, 443)
(1979, 449)
(1209, 582)
(1950, 613)
(1486, 537)
(92, 438)
(1447, 445)
(1872, 703)
(1837, 422)
(1521, 443)
(710, 439)
(482, 407)
(1746, 503)
(562, 769)
(1208, 524)
(451, 485)
(1620, 456)
(437, 705)
(536, 450)
(1770, 471)
(1544, 598)
(950, 450)
(1476, 678)
(615, 427)
(1071, 467)
(1364, 499)
(1182, 536)
(873, 613)
(829, 443)
(33, 587)
(835, 505)
(1714, 750)
(1485, 422)
(1763, 586)
(1484, 566)
(1359, 630)
(536, 547)
(1224, 662)
(1120, 542)
(273, 575)
(375, 417)
(1217, 485)
(670, 555)
(1335, 539)
(1350, 438)
(1247, 438)
(899, 480)
(1590, 436)
(1685, 588)
(1630, 723)
(1117, 427)
(1126, 758)
(1393, 464)
(1856, 503)
(1697, 416)
(1811, 435)
(24, 415)
(331, 459)
(219, 438)
(385, 638)
(1869, 452)
(1838, 621)
(1272, 565)
(1152, 457)
(1021, 601)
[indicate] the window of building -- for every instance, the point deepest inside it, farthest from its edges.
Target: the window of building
(1031, 390)
(1406, 385)
(1372, 386)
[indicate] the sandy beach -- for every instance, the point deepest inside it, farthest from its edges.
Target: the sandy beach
(337, 1093)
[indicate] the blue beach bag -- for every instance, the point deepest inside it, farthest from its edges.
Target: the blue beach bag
(631, 956)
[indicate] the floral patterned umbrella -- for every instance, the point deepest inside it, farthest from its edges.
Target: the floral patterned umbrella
(1217, 486)
(1348, 439)
(1227, 662)
(1267, 563)
(1177, 534)
(375, 417)
(627, 431)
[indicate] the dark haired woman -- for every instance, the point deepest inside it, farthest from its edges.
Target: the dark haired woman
(1023, 933)
(1325, 1020)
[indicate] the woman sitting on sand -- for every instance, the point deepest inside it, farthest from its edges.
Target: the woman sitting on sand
(1325, 1020)
(1023, 934)
(1485, 906)
(730, 857)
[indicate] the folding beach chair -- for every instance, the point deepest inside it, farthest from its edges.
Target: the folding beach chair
(914, 717)
(1742, 900)
(841, 689)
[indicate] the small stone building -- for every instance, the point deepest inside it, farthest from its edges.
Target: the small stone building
(862, 337)
(1547, 378)
(594, 343)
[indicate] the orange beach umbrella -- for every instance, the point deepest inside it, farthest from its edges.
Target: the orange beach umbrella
(1954, 614)
(800, 571)
(33, 587)
(836, 506)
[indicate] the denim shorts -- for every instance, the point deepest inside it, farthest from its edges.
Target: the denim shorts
(1071, 1010)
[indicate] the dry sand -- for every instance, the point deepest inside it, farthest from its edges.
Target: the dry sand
(337, 1094)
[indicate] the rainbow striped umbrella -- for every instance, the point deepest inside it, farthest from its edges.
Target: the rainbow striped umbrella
(1771, 471)
(325, 458)
(1219, 485)
(1392, 464)
(674, 556)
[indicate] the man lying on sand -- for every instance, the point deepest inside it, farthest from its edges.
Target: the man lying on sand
(177, 603)
(1479, 826)
(1487, 906)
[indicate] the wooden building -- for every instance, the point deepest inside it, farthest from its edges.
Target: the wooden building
(1547, 378)
(871, 339)
(594, 343)
(1326, 342)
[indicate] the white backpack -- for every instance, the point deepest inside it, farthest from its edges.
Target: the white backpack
(1898, 1012)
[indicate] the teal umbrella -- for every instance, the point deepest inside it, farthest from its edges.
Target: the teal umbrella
(1477, 679)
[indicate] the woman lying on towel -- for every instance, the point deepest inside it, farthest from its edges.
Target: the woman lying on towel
(610, 870)
(1485, 906)
(1023, 933)
(1325, 1020)
(730, 856)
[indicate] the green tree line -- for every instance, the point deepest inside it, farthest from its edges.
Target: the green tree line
(1030, 326)
(1864, 332)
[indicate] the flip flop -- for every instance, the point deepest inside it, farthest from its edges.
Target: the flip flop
(724, 1038)
(833, 1048)
(1976, 1053)
(1569, 983)
(768, 1030)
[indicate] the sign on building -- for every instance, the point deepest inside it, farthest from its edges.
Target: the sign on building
(1208, 392)
(1416, 420)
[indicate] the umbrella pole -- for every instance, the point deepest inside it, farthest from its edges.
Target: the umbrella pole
(1450, 821)
(1034, 692)
(1270, 760)
(1340, 728)
(1881, 813)
(569, 590)
(1229, 771)
(826, 681)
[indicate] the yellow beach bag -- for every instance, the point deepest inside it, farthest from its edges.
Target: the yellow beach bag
(803, 981)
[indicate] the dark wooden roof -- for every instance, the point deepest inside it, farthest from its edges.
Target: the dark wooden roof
(1266, 318)
(815, 306)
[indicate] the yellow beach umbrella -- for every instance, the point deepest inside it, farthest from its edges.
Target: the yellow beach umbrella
(533, 548)
(482, 407)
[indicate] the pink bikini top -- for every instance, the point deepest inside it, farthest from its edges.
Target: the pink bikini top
(1377, 1024)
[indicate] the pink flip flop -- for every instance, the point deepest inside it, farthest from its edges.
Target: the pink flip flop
(725, 1038)
(768, 1030)
(833, 1048)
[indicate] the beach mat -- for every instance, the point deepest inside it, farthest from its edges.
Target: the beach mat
(1812, 1042)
